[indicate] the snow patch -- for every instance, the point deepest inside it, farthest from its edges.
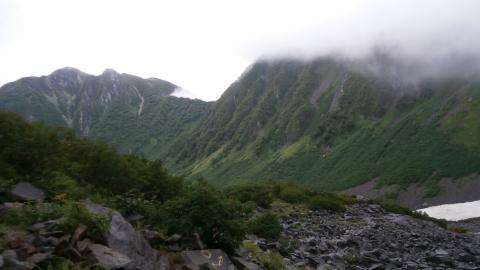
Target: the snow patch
(455, 211)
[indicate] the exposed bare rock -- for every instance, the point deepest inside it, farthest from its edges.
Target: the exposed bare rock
(28, 192)
(122, 238)
(213, 259)
(366, 236)
(11, 261)
(109, 258)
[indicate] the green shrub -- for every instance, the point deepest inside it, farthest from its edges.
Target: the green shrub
(32, 213)
(393, 207)
(457, 229)
(77, 213)
(261, 195)
(266, 225)
(270, 260)
(59, 184)
(327, 203)
(290, 193)
(208, 212)
(135, 203)
(5, 187)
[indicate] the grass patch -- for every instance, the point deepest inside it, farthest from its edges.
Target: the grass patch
(270, 260)
(398, 209)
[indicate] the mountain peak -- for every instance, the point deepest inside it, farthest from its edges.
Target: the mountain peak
(67, 70)
(110, 71)
(110, 74)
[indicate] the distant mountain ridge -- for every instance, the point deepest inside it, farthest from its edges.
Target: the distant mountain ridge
(133, 113)
(330, 126)
(324, 124)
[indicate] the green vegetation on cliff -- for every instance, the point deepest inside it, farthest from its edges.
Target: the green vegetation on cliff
(322, 124)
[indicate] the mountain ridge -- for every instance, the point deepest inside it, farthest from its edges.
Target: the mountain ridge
(324, 124)
(99, 106)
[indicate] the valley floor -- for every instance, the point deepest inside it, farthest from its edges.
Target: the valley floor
(368, 237)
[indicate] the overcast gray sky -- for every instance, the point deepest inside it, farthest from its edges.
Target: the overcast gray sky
(205, 45)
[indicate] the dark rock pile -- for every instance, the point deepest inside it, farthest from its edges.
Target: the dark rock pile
(367, 237)
(364, 237)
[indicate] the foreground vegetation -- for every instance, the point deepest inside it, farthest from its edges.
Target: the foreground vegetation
(72, 169)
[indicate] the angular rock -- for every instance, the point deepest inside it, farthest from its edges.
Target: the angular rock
(465, 257)
(122, 238)
(44, 226)
(241, 263)
(151, 235)
(79, 233)
(109, 258)
(325, 267)
(27, 192)
(83, 245)
(174, 238)
(377, 266)
(11, 262)
(15, 239)
(134, 218)
(38, 258)
(213, 259)
(12, 206)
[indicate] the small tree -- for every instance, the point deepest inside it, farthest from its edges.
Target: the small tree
(206, 211)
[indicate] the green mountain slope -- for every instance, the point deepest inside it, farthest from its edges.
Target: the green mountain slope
(323, 125)
(135, 114)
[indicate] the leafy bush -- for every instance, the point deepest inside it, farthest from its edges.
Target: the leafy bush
(77, 213)
(135, 203)
(326, 202)
(62, 163)
(266, 225)
(290, 193)
(270, 260)
(261, 195)
(5, 187)
(458, 230)
(208, 212)
(32, 213)
(61, 184)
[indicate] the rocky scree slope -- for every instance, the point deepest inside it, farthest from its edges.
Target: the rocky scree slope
(364, 236)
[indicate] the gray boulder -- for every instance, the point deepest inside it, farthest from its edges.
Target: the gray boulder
(122, 238)
(213, 259)
(108, 258)
(27, 192)
(243, 264)
(11, 262)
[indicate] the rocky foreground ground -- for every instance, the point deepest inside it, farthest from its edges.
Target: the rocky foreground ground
(365, 236)
(368, 237)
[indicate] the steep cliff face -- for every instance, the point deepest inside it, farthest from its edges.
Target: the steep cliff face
(329, 125)
(133, 113)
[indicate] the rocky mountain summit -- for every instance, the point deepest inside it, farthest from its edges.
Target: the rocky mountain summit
(364, 236)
